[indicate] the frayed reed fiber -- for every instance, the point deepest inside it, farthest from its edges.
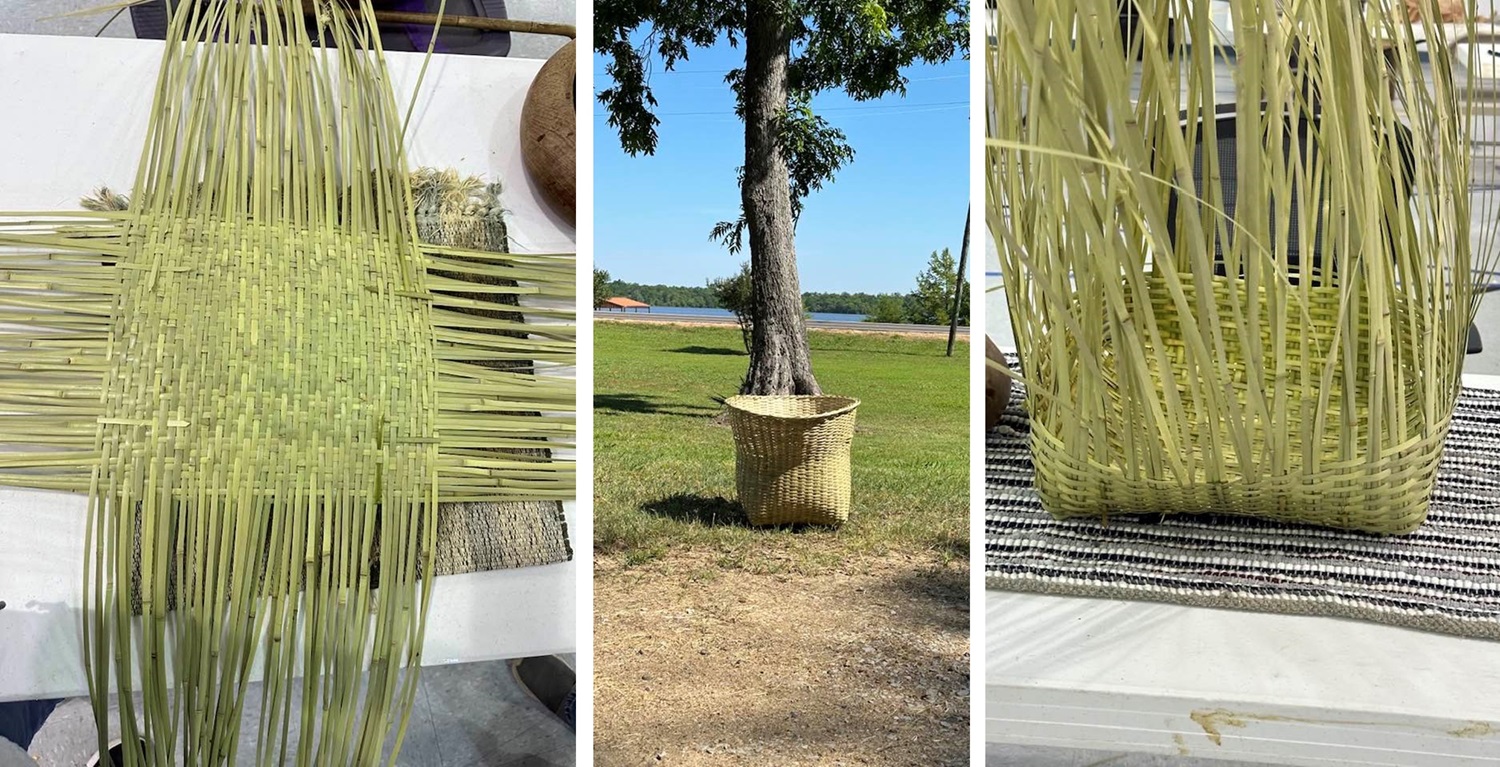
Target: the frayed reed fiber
(267, 385)
(1186, 347)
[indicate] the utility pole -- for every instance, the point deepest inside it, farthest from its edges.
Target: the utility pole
(958, 283)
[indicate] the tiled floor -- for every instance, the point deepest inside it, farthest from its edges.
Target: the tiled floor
(43, 17)
(478, 716)
(466, 715)
(12, 756)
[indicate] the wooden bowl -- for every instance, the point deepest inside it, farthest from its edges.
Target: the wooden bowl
(996, 386)
(548, 143)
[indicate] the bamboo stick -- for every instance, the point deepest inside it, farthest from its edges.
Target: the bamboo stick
(467, 22)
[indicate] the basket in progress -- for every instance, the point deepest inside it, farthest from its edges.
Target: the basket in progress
(792, 457)
(268, 385)
(1307, 466)
(1255, 307)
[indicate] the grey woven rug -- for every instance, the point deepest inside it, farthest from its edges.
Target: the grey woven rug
(463, 211)
(1445, 577)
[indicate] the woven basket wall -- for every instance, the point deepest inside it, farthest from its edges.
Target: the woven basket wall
(1295, 468)
(1239, 283)
(792, 457)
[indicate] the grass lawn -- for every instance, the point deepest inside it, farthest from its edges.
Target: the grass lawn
(664, 471)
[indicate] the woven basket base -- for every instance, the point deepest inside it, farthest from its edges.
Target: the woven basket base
(1438, 578)
(1320, 476)
(1386, 497)
(784, 500)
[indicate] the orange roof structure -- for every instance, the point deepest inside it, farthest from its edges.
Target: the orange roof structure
(621, 302)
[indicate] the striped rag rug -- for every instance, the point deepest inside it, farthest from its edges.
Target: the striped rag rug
(1444, 577)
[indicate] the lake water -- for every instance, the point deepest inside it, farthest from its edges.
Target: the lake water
(704, 311)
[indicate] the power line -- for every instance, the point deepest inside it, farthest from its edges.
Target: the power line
(725, 72)
(601, 73)
(926, 106)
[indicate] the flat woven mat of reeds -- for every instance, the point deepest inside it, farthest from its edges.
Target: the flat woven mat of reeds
(1444, 577)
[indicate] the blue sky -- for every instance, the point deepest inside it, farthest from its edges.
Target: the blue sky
(871, 230)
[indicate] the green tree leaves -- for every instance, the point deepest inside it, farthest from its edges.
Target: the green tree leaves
(932, 302)
(703, 296)
(601, 287)
(737, 295)
(857, 48)
(889, 310)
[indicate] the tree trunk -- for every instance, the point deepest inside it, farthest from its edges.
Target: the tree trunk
(779, 361)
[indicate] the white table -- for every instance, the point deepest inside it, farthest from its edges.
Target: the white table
(1282, 689)
(1118, 676)
(75, 115)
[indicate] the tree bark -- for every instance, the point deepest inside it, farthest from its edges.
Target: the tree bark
(779, 361)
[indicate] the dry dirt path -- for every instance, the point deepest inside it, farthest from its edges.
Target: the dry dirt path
(864, 664)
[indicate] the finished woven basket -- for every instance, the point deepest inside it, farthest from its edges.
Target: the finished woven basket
(1239, 284)
(792, 457)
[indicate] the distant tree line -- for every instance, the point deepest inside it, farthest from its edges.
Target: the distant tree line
(703, 297)
(931, 303)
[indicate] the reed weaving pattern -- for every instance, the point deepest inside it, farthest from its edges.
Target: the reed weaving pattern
(267, 386)
(1266, 316)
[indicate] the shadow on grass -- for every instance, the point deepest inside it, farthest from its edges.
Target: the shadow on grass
(715, 512)
(944, 588)
(641, 403)
(717, 350)
(709, 512)
(955, 547)
(960, 357)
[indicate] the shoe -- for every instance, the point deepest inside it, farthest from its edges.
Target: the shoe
(550, 682)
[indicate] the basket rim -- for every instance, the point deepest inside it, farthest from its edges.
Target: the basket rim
(850, 403)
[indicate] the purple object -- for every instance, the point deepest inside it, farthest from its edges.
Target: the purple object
(420, 36)
(151, 19)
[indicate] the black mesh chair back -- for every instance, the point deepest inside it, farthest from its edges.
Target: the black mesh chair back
(1226, 138)
(150, 21)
